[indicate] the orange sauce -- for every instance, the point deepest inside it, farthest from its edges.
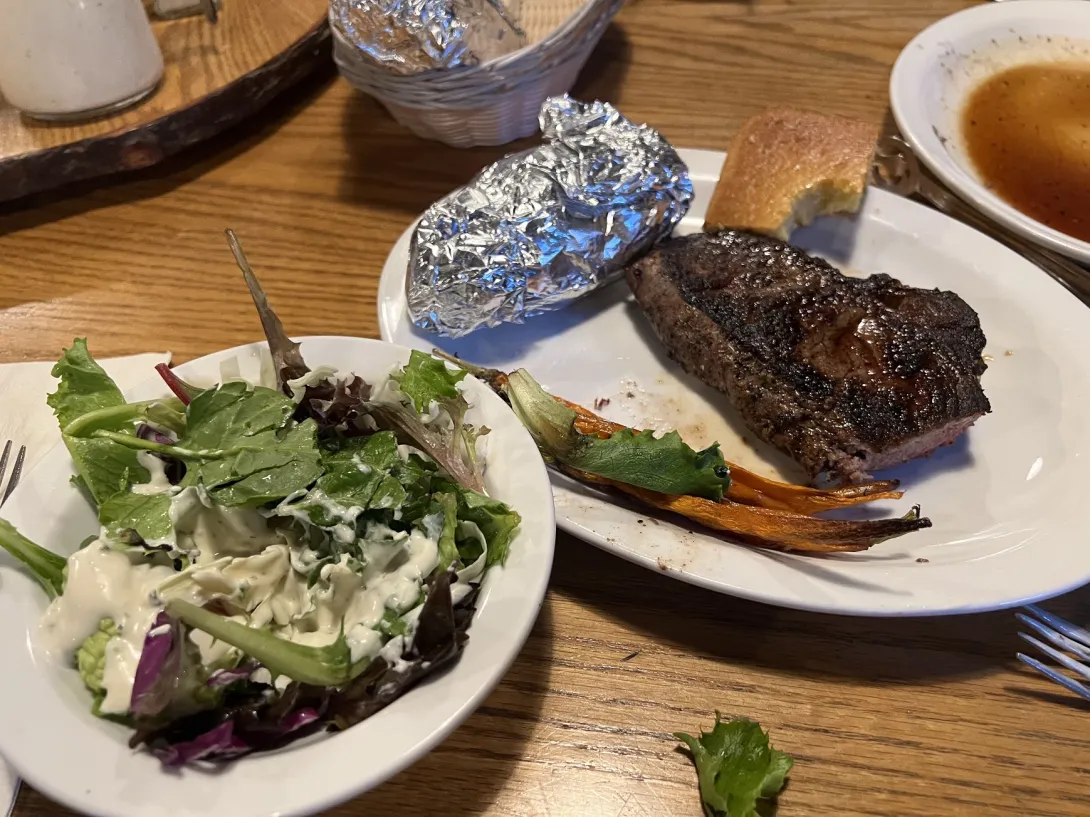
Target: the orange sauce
(1027, 132)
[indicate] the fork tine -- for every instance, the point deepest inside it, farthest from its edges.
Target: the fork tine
(1068, 629)
(1061, 641)
(4, 460)
(16, 471)
(1079, 689)
(1066, 660)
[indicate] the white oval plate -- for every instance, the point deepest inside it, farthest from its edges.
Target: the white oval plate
(47, 731)
(1007, 500)
(943, 64)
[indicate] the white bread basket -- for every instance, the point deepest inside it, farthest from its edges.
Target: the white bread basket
(498, 101)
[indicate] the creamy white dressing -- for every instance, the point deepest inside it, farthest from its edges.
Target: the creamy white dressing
(298, 386)
(206, 531)
(157, 469)
(392, 578)
(264, 587)
(345, 514)
(102, 584)
(432, 414)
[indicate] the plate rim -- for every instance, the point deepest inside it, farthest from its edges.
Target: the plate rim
(530, 596)
(909, 113)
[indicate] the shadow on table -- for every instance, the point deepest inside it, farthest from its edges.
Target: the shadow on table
(390, 167)
(464, 775)
(699, 621)
(1060, 697)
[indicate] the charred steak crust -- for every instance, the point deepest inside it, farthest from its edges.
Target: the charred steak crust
(844, 374)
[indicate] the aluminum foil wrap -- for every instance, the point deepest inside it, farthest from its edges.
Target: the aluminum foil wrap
(539, 229)
(412, 36)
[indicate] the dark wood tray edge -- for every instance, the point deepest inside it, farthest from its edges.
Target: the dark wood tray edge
(145, 145)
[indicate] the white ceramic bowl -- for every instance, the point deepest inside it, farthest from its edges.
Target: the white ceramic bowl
(944, 63)
(49, 735)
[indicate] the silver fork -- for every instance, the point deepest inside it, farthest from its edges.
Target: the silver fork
(7, 776)
(16, 470)
(1073, 643)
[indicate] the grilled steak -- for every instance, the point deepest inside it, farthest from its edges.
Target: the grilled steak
(846, 375)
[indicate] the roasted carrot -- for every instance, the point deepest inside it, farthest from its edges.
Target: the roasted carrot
(769, 528)
(749, 488)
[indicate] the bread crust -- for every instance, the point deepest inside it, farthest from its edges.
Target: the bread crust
(787, 166)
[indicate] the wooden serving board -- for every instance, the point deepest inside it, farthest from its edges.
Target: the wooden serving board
(215, 76)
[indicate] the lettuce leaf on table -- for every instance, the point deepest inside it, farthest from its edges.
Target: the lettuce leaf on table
(736, 766)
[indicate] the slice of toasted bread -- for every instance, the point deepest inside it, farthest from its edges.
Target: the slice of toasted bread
(785, 167)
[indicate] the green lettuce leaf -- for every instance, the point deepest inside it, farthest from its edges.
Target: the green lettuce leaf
(356, 475)
(447, 504)
(425, 379)
(147, 514)
(496, 521)
(736, 766)
(321, 666)
(91, 657)
(665, 464)
(266, 456)
(241, 445)
(87, 399)
(392, 624)
(91, 662)
(84, 385)
(168, 413)
(46, 567)
(106, 467)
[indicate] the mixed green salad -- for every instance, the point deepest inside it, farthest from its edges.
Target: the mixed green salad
(272, 561)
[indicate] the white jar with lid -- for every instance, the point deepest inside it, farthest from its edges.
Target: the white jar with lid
(72, 59)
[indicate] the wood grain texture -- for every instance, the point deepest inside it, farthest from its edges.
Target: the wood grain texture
(891, 718)
(214, 76)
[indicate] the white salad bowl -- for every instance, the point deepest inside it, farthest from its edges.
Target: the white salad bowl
(49, 735)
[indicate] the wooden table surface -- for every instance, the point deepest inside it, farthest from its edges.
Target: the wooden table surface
(898, 717)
